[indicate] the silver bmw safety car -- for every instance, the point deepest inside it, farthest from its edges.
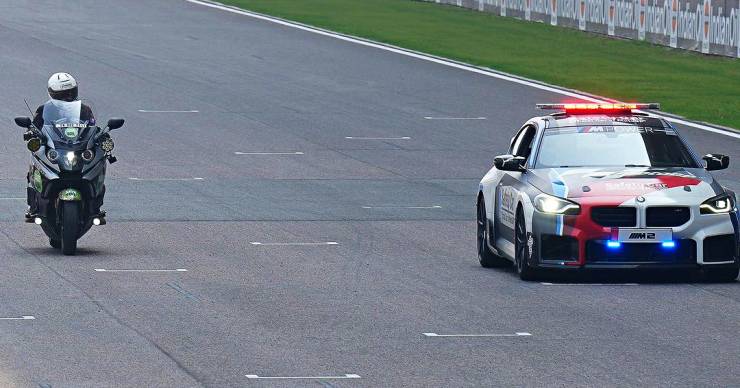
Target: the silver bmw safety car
(606, 186)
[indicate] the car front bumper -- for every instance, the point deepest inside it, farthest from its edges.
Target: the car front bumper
(579, 242)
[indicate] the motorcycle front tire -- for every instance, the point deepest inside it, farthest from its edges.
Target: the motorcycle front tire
(70, 212)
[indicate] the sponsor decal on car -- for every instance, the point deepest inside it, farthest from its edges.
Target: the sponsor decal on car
(507, 205)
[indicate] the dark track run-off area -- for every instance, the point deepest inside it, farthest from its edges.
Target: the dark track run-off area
(330, 259)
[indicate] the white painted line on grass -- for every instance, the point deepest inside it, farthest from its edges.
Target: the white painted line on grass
(522, 334)
(141, 270)
(402, 207)
(268, 153)
(21, 318)
(295, 243)
(346, 376)
(377, 138)
(589, 284)
(454, 118)
(446, 62)
(166, 179)
(167, 111)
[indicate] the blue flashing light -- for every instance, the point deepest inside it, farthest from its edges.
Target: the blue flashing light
(668, 244)
(613, 244)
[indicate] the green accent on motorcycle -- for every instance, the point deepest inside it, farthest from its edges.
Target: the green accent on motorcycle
(70, 195)
(38, 183)
(71, 132)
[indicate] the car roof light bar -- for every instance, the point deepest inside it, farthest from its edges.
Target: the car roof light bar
(595, 108)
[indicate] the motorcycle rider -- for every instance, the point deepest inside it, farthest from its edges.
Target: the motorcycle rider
(62, 87)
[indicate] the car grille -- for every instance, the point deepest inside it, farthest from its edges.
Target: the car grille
(683, 253)
(720, 248)
(614, 216)
(667, 216)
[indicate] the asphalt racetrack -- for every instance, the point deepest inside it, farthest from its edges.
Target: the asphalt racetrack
(313, 220)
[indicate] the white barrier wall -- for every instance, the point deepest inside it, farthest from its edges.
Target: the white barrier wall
(707, 26)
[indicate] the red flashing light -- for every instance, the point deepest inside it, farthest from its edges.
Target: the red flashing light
(598, 108)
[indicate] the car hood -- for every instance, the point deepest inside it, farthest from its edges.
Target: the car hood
(678, 183)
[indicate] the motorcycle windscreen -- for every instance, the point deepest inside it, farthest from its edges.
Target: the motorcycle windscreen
(62, 121)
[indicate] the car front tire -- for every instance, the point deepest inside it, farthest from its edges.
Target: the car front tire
(722, 275)
(521, 249)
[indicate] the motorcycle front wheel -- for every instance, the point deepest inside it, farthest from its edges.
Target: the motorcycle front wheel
(70, 223)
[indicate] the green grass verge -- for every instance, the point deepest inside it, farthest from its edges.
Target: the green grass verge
(699, 87)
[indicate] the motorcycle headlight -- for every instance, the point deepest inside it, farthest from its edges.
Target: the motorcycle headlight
(107, 145)
(723, 203)
(554, 205)
(70, 159)
(52, 155)
(34, 144)
(88, 155)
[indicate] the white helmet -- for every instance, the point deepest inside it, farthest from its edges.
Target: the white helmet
(62, 86)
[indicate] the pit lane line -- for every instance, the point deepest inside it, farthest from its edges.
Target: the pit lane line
(141, 270)
(346, 376)
(21, 318)
(294, 243)
(519, 334)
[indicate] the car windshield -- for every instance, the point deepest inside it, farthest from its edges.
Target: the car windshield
(607, 146)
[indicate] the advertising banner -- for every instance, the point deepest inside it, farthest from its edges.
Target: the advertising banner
(707, 26)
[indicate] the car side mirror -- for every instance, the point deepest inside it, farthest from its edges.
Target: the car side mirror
(23, 122)
(716, 161)
(115, 123)
(509, 163)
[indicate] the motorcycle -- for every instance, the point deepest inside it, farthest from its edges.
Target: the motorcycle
(66, 178)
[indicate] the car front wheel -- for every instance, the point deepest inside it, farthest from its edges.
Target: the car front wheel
(722, 275)
(521, 249)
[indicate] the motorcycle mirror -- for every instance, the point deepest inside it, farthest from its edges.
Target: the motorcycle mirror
(115, 123)
(23, 122)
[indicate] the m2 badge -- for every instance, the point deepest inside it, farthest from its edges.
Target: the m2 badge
(645, 235)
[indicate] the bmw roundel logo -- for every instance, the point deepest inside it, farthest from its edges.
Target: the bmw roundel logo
(640, 199)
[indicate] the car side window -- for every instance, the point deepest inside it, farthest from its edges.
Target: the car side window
(522, 145)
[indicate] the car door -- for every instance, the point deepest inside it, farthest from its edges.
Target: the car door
(508, 188)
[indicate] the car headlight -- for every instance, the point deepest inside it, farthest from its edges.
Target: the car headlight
(723, 203)
(554, 205)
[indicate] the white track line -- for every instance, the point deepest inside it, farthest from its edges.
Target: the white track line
(377, 138)
(166, 179)
(402, 207)
(268, 153)
(296, 243)
(454, 118)
(346, 376)
(167, 111)
(522, 334)
(21, 318)
(141, 270)
(445, 62)
(589, 284)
